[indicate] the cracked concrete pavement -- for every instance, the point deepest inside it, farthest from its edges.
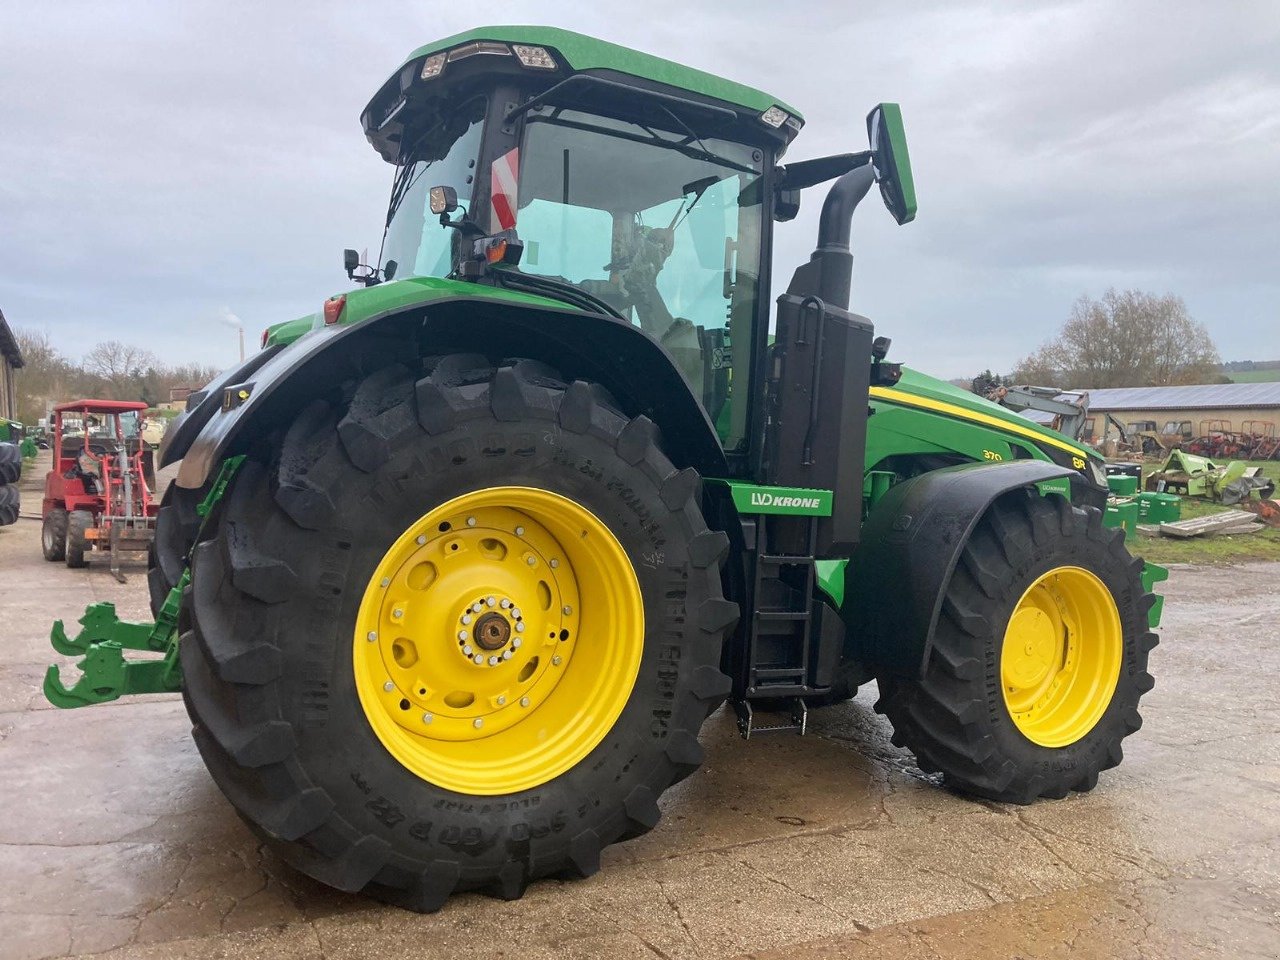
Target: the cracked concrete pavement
(114, 840)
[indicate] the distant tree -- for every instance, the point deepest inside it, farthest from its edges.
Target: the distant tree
(987, 381)
(1125, 339)
(122, 367)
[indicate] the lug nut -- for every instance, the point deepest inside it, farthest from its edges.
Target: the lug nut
(478, 658)
(478, 722)
(567, 610)
(372, 636)
(515, 644)
(515, 612)
(466, 618)
(427, 718)
(467, 650)
(477, 607)
(491, 601)
(524, 701)
(388, 686)
(471, 521)
(421, 540)
(520, 627)
(506, 654)
(397, 613)
(519, 531)
(531, 561)
(462, 635)
(554, 563)
(555, 661)
(502, 701)
(386, 581)
(493, 661)
(504, 603)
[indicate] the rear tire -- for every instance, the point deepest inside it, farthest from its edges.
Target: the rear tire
(957, 720)
(53, 535)
(78, 521)
(281, 581)
(10, 463)
(177, 524)
(10, 502)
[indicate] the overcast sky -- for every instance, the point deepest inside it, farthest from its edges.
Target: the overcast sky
(164, 163)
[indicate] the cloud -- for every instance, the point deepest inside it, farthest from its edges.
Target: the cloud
(163, 160)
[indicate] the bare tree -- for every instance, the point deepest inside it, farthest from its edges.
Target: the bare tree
(122, 366)
(1125, 339)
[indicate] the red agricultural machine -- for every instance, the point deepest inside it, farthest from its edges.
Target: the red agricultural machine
(99, 493)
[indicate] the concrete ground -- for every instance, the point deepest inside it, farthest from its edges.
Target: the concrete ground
(113, 840)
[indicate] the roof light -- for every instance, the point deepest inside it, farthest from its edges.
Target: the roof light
(536, 58)
(775, 116)
(480, 46)
(432, 66)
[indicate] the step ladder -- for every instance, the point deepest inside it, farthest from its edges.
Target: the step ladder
(776, 668)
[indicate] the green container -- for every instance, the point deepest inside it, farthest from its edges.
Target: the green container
(1159, 507)
(1122, 513)
(1122, 485)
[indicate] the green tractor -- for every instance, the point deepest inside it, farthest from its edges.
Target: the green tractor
(454, 570)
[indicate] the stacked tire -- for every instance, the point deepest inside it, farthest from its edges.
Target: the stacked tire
(10, 473)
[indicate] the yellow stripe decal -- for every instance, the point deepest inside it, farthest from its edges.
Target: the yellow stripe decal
(912, 400)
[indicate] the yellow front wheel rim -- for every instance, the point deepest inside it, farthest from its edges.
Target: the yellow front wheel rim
(1060, 659)
(498, 640)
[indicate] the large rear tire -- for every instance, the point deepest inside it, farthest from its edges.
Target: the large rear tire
(177, 524)
(10, 503)
(10, 463)
(316, 573)
(1039, 658)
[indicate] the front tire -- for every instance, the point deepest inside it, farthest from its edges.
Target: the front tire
(1039, 658)
(78, 523)
(351, 782)
(53, 535)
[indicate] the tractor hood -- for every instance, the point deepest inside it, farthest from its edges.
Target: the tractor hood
(924, 392)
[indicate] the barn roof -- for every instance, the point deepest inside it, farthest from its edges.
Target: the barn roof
(1209, 396)
(8, 345)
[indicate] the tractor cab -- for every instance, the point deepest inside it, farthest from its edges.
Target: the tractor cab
(99, 494)
(534, 168)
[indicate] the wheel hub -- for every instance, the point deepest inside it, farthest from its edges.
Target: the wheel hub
(471, 625)
(1060, 660)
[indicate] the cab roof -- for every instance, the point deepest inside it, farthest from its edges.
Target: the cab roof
(100, 406)
(587, 53)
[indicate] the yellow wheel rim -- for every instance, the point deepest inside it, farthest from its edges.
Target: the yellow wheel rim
(499, 640)
(1060, 659)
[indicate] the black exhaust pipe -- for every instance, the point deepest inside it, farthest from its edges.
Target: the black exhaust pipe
(829, 272)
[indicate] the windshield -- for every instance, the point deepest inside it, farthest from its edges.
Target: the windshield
(443, 156)
(664, 227)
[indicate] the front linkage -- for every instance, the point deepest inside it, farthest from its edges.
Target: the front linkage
(105, 673)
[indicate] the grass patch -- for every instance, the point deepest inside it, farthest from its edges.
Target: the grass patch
(1222, 549)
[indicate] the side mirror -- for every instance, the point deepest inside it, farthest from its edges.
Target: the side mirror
(350, 261)
(891, 161)
(389, 270)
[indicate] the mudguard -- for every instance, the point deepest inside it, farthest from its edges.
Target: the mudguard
(636, 369)
(911, 542)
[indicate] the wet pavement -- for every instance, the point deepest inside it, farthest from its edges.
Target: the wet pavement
(114, 840)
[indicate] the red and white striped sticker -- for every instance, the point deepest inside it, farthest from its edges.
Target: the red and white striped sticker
(503, 179)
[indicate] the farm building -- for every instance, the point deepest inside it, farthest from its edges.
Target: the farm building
(1192, 411)
(10, 361)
